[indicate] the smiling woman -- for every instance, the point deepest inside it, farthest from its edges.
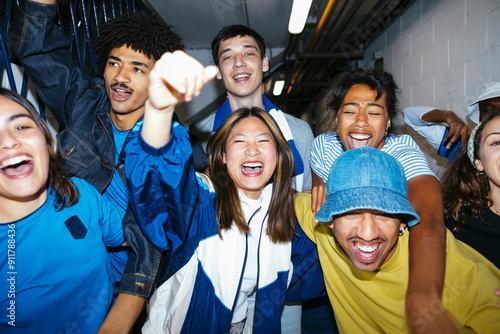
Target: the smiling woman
(229, 234)
(53, 232)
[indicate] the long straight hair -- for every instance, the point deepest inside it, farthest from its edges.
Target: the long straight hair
(66, 191)
(281, 221)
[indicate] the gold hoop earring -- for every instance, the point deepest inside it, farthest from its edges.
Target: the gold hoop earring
(401, 232)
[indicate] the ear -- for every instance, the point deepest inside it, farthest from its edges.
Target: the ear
(224, 158)
(265, 64)
(479, 165)
(402, 226)
(388, 124)
(218, 75)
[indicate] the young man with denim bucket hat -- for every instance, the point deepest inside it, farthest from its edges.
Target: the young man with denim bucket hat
(363, 250)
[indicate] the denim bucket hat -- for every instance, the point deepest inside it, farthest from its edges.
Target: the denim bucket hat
(489, 91)
(366, 178)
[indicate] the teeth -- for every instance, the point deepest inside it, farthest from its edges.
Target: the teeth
(15, 161)
(367, 249)
(239, 76)
(121, 90)
(360, 136)
(252, 164)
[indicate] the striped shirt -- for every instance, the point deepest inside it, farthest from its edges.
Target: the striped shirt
(327, 147)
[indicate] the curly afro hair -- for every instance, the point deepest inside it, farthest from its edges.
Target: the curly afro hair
(147, 34)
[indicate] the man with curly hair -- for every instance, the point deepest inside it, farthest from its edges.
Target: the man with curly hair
(95, 117)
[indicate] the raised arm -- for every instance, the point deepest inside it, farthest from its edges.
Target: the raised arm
(425, 120)
(176, 77)
(458, 129)
(44, 52)
(159, 168)
(426, 313)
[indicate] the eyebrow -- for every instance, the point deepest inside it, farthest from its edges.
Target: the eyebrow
(492, 134)
(246, 46)
(371, 104)
(133, 62)
(17, 116)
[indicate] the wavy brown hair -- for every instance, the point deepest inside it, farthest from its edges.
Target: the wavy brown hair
(467, 191)
(281, 221)
(66, 191)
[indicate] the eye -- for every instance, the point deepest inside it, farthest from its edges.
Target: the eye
(226, 58)
(495, 143)
(112, 63)
(138, 70)
(249, 54)
(21, 127)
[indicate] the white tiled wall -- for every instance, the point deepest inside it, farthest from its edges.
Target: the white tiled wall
(441, 52)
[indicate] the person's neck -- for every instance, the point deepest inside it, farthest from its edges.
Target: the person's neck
(124, 122)
(495, 197)
(238, 102)
(12, 210)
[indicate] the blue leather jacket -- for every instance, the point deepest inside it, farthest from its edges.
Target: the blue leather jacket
(81, 106)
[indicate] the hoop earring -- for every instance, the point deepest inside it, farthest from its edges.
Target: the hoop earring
(401, 232)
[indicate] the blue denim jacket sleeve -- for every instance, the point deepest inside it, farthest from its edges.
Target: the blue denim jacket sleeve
(42, 49)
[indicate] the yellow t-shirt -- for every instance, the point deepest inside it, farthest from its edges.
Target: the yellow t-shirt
(374, 302)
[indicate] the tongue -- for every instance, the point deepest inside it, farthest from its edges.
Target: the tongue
(358, 143)
(250, 170)
(20, 169)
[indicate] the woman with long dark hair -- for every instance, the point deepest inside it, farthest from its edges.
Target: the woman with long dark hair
(229, 235)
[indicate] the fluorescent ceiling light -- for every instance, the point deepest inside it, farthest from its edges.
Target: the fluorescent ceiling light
(298, 16)
(278, 87)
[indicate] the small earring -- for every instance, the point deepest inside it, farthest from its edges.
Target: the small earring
(401, 232)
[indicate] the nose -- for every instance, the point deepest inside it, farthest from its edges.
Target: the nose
(252, 150)
(367, 229)
(8, 140)
(361, 119)
(238, 61)
(122, 75)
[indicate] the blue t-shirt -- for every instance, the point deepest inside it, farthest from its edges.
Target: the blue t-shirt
(117, 193)
(59, 276)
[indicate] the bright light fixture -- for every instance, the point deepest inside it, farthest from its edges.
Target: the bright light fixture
(298, 16)
(278, 87)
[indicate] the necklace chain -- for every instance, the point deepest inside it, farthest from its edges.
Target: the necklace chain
(495, 210)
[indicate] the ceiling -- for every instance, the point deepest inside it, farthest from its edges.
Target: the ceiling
(335, 34)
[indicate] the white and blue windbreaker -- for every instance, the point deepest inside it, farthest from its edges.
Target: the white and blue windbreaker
(176, 210)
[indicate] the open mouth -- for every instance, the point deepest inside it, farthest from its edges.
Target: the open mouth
(252, 168)
(365, 251)
(359, 139)
(120, 94)
(17, 166)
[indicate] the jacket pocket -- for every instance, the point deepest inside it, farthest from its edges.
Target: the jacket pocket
(78, 157)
